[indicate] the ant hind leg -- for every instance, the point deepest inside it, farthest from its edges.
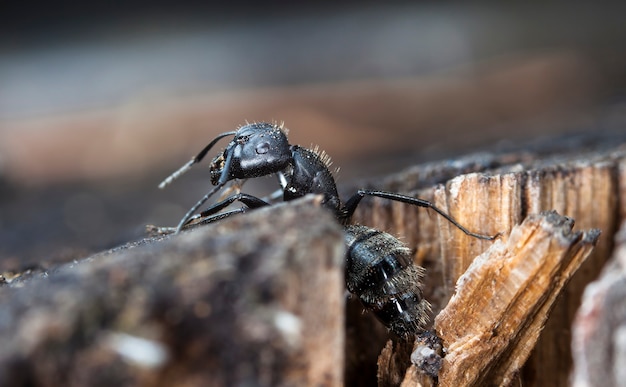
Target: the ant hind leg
(354, 201)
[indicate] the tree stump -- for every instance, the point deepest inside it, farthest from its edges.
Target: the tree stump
(493, 193)
(260, 299)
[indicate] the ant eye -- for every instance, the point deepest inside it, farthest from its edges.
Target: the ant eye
(263, 148)
(242, 139)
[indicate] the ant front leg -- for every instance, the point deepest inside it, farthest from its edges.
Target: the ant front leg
(200, 220)
(354, 201)
(191, 223)
(193, 209)
(211, 214)
(249, 200)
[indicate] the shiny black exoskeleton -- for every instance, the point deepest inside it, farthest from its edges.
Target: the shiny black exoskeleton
(379, 268)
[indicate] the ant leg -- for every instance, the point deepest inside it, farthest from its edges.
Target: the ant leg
(193, 209)
(211, 213)
(274, 196)
(212, 218)
(249, 200)
(155, 230)
(354, 201)
(282, 180)
(224, 178)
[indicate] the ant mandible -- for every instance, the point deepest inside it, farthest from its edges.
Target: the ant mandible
(388, 284)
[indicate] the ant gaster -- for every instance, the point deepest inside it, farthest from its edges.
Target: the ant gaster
(379, 268)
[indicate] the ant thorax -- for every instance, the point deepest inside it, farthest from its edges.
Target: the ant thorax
(310, 174)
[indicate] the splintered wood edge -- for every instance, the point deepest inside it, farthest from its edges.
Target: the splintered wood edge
(502, 301)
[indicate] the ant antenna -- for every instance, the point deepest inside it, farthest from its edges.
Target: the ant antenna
(194, 160)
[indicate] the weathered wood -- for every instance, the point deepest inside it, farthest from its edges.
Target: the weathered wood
(503, 299)
(599, 330)
(584, 185)
(584, 190)
(254, 299)
(489, 204)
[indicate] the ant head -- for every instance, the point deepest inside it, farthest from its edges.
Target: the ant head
(257, 149)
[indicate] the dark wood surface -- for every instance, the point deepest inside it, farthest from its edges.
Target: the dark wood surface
(252, 300)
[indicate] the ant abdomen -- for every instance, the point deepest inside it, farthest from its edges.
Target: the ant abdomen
(381, 272)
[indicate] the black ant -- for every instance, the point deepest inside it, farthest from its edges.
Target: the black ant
(379, 268)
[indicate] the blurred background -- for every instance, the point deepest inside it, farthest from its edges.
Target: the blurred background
(99, 101)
